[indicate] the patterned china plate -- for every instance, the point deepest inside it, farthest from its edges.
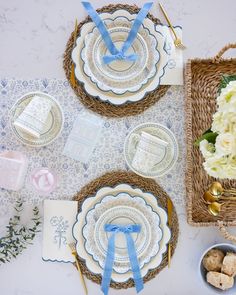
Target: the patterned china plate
(53, 125)
(122, 209)
(118, 99)
(120, 76)
(171, 154)
(90, 202)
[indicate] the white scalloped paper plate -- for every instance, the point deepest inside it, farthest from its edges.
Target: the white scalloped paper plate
(120, 77)
(92, 89)
(124, 209)
(91, 201)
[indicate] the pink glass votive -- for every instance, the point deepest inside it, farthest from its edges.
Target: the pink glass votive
(44, 180)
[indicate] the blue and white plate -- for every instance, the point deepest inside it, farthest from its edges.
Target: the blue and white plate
(122, 209)
(160, 59)
(91, 202)
(120, 76)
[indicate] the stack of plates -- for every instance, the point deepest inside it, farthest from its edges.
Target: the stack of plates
(120, 81)
(121, 205)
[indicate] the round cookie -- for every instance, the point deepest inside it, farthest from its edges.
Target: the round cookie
(213, 260)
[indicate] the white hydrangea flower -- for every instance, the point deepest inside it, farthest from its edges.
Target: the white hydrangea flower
(218, 124)
(227, 99)
(230, 170)
(225, 144)
(224, 122)
(207, 149)
(230, 122)
(215, 166)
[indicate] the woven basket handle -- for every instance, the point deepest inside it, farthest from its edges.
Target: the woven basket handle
(218, 57)
(225, 233)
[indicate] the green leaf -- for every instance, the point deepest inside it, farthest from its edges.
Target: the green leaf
(209, 136)
(225, 79)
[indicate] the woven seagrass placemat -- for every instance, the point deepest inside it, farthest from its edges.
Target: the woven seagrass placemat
(112, 179)
(105, 108)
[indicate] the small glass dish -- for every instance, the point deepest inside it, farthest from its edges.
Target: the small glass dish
(44, 180)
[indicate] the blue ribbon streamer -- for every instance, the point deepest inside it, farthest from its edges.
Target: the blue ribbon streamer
(115, 53)
(127, 230)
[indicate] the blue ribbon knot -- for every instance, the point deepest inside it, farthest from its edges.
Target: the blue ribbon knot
(115, 53)
(127, 230)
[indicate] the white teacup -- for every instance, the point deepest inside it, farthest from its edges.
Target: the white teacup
(150, 150)
(33, 118)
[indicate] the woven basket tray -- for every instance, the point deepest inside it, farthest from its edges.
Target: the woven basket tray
(202, 78)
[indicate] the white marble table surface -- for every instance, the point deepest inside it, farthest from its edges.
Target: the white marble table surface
(33, 37)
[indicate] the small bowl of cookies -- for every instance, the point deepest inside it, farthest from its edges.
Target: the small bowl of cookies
(218, 268)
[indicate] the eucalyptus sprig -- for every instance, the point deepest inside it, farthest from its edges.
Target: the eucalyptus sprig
(18, 236)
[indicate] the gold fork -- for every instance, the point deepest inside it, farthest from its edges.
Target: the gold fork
(178, 43)
(74, 253)
(72, 73)
(169, 213)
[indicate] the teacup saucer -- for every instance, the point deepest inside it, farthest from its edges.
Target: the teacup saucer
(170, 157)
(53, 125)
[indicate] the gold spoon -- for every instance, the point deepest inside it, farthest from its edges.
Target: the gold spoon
(210, 198)
(215, 208)
(217, 189)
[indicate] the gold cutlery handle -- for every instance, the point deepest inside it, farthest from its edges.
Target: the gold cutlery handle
(231, 191)
(168, 21)
(228, 198)
(72, 75)
(81, 276)
(169, 213)
(169, 254)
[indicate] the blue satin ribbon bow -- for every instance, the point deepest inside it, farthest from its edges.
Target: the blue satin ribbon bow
(127, 230)
(115, 53)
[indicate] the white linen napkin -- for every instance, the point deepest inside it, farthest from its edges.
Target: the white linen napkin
(175, 66)
(59, 218)
(83, 137)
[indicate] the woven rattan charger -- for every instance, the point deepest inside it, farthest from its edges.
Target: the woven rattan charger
(112, 179)
(202, 78)
(105, 108)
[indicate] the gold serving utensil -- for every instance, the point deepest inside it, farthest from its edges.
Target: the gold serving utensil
(216, 189)
(178, 43)
(72, 73)
(210, 198)
(74, 253)
(169, 212)
(214, 208)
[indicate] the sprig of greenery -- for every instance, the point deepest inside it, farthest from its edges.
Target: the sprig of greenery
(209, 135)
(225, 79)
(17, 236)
